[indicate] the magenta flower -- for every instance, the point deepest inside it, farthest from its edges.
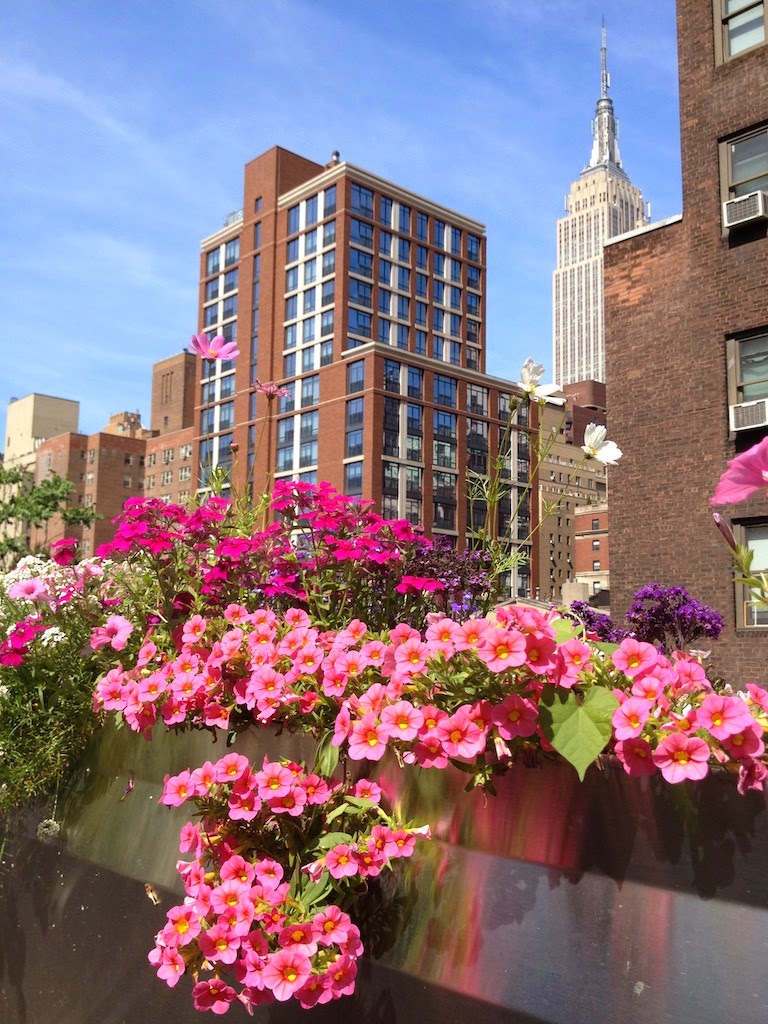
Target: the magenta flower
(269, 389)
(636, 756)
(214, 995)
(63, 551)
(218, 348)
(745, 474)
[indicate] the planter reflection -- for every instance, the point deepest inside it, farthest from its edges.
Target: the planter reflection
(613, 900)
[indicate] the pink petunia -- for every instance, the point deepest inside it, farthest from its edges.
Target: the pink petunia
(502, 648)
(368, 738)
(723, 716)
(402, 720)
(515, 716)
(745, 474)
(286, 972)
(340, 861)
(630, 717)
(114, 632)
(635, 658)
(29, 590)
(636, 756)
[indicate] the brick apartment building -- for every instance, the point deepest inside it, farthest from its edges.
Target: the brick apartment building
(366, 302)
(687, 337)
(125, 460)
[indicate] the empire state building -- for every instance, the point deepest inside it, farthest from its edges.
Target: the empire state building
(602, 203)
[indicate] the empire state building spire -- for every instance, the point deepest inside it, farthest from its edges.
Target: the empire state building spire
(605, 130)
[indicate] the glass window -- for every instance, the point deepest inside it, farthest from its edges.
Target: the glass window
(456, 241)
(310, 242)
(329, 201)
(438, 233)
(211, 314)
(308, 330)
(308, 359)
(748, 163)
(232, 252)
(289, 365)
(420, 346)
(473, 248)
(403, 335)
(292, 279)
(310, 216)
(404, 221)
(385, 328)
(287, 403)
(385, 211)
(403, 307)
(354, 443)
(257, 235)
(385, 301)
(360, 262)
(293, 220)
(326, 352)
(309, 300)
(212, 290)
(329, 233)
(421, 285)
(362, 201)
(355, 376)
(403, 250)
(421, 317)
(392, 376)
(308, 454)
(229, 307)
(327, 293)
(438, 262)
(292, 251)
(355, 412)
(353, 479)
(422, 256)
(422, 227)
(403, 279)
(438, 292)
(385, 243)
(292, 307)
(361, 232)
(385, 272)
(290, 336)
(310, 270)
(360, 322)
(751, 367)
(360, 292)
(329, 262)
(415, 382)
(455, 298)
(743, 25)
(445, 390)
(326, 323)
(310, 391)
(473, 278)
(212, 261)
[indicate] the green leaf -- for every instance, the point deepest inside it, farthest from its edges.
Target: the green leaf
(579, 729)
(326, 756)
(566, 629)
(331, 839)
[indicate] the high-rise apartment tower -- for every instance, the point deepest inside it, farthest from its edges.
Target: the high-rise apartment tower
(602, 203)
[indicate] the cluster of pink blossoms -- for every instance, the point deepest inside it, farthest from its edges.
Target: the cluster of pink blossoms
(670, 720)
(460, 691)
(249, 918)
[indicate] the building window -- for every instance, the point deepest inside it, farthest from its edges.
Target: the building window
(310, 391)
(355, 376)
(445, 389)
(293, 220)
(754, 535)
(748, 368)
(310, 217)
(353, 479)
(362, 201)
(596, 565)
(385, 211)
(361, 233)
(232, 252)
(360, 322)
(212, 262)
(595, 524)
(743, 26)
(595, 545)
(329, 201)
(746, 163)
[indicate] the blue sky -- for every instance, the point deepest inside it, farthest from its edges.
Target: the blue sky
(126, 126)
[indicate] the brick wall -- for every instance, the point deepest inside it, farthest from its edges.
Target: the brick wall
(673, 294)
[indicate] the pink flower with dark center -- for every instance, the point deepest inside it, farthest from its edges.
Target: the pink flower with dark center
(114, 632)
(214, 348)
(29, 590)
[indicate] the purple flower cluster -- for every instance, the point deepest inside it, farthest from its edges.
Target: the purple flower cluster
(667, 617)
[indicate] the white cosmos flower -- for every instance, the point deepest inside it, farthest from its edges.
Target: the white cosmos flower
(596, 446)
(531, 373)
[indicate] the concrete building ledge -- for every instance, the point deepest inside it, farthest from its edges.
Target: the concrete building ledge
(644, 230)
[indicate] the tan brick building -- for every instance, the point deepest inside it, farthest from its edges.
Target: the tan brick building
(687, 337)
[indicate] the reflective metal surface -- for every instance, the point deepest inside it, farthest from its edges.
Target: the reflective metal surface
(616, 900)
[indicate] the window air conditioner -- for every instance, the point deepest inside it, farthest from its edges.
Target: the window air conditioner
(748, 415)
(753, 206)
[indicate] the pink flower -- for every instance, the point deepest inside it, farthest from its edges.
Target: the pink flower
(368, 738)
(630, 717)
(636, 757)
(634, 658)
(29, 590)
(340, 861)
(63, 551)
(402, 720)
(114, 632)
(460, 735)
(218, 348)
(515, 716)
(723, 716)
(752, 774)
(745, 474)
(169, 962)
(269, 389)
(286, 971)
(177, 789)
(680, 756)
(214, 995)
(502, 648)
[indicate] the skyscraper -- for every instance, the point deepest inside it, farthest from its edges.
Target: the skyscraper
(365, 302)
(602, 203)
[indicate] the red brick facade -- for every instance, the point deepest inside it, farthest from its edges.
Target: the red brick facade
(675, 294)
